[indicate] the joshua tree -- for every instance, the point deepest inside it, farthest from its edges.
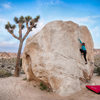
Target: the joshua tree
(30, 23)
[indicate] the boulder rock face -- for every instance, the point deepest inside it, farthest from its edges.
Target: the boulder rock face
(53, 57)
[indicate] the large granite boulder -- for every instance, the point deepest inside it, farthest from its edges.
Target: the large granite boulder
(53, 57)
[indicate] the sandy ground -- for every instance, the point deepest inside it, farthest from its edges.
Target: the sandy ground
(13, 88)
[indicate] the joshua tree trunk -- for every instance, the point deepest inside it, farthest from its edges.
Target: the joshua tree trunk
(17, 67)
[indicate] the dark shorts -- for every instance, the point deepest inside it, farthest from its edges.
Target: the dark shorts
(83, 51)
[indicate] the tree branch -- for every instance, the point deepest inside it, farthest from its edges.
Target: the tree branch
(30, 28)
(13, 34)
(27, 24)
(20, 31)
(26, 34)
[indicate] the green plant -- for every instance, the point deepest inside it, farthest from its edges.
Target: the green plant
(43, 86)
(95, 70)
(25, 78)
(98, 71)
(97, 61)
(22, 72)
(4, 73)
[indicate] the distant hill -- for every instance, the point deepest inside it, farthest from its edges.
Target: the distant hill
(7, 55)
(96, 51)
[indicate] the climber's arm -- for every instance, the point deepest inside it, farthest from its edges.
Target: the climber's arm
(80, 41)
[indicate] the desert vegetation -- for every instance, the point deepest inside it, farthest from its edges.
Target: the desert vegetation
(97, 64)
(7, 66)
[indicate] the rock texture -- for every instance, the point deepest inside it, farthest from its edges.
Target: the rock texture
(53, 56)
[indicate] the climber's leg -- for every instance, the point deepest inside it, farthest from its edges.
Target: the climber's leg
(82, 52)
(85, 56)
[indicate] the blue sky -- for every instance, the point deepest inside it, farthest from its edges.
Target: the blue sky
(83, 12)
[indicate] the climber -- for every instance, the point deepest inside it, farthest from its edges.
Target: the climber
(83, 50)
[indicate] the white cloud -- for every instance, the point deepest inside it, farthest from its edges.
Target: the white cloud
(8, 44)
(3, 32)
(7, 5)
(54, 2)
(2, 20)
(96, 36)
(84, 20)
(2, 26)
(96, 31)
(97, 45)
(95, 16)
(6, 40)
(50, 2)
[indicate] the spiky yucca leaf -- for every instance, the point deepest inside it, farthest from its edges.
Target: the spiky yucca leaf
(36, 19)
(32, 22)
(21, 19)
(13, 26)
(7, 26)
(28, 18)
(16, 20)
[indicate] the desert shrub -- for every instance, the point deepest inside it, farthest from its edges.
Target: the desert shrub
(4, 73)
(22, 71)
(43, 86)
(97, 64)
(2, 66)
(97, 61)
(25, 78)
(97, 70)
